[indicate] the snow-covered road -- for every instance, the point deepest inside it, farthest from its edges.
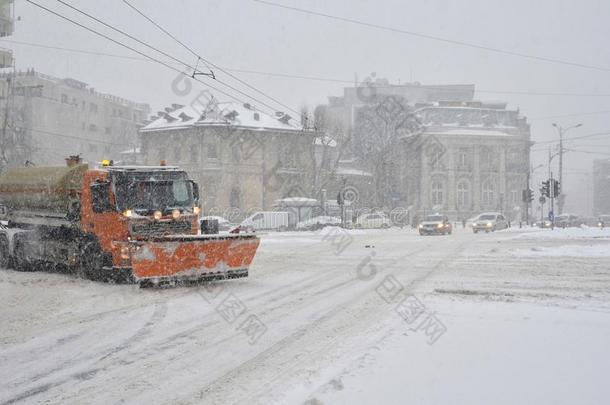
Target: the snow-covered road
(326, 318)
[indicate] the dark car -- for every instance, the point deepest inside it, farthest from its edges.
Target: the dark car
(603, 221)
(435, 225)
(567, 221)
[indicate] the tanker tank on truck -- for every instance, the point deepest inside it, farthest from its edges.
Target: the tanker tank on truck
(114, 223)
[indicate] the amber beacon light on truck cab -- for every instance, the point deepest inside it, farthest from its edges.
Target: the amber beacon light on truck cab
(121, 223)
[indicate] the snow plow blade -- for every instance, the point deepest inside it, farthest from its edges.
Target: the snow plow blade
(192, 258)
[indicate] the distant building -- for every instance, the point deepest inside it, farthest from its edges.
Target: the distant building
(7, 25)
(601, 187)
(58, 117)
(242, 158)
(471, 157)
(465, 157)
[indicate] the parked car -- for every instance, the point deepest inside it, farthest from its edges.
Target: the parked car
(435, 224)
(224, 225)
(567, 220)
(267, 220)
(373, 220)
(316, 223)
(604, 221)
(490, 222)
(543, 224)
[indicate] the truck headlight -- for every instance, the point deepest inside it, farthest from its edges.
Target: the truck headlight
(420, 226)
(176, 214)
(128, 213)
(489, 224)
(157, 215)
(125, 253)
(196, 210)
(439, 225)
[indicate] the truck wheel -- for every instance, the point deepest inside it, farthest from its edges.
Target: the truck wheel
(20, 262)
(4, 254)
(91, 263)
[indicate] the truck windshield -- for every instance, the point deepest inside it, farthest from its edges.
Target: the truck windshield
(146, 195)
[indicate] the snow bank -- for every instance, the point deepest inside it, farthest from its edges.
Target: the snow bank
(601, 250)
(567, 233)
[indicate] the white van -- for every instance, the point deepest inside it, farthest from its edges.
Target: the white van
(267, 220)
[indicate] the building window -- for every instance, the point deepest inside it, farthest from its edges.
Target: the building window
(64, 98)
(194, 154)
(162, 154)
(93, 107)
(487, 195)
(107, 131)
(437, 193)
(436, 156)
(462, 160)
(92, 128)
(514, 197)
(463, 194)
(92, 148)
(235, 198)
(212, 152)
(177, 154)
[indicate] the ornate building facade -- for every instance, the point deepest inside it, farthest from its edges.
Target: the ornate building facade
(471, 157)
(242, 158)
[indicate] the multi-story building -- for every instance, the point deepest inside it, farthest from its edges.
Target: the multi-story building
(242, 158)
(59, 117)
(457, 155)
(470, 157)
(601, 187)
(6, 29)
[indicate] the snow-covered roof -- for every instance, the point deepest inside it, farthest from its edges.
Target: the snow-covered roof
(352, 172)
(221, 114)
(470, 132)
(130, 151)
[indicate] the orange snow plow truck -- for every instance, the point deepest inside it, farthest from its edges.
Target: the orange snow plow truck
(114, 223)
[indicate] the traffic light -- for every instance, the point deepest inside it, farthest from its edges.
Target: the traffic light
(546, 189)
(527, 195)
(556, 188)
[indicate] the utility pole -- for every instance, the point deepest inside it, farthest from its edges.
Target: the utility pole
(552, 203)
(528, 201)
(560, 198)
(562, 131)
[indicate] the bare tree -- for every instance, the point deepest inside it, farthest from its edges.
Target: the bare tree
(378, 129)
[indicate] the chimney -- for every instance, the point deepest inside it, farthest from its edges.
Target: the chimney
(73, 160)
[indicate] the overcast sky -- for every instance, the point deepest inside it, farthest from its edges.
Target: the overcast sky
(248, 35)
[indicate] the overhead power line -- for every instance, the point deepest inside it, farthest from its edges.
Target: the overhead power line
(207, 60)
(327, 79)
(573, 138)
(162, 52)
(436, 38)
(76, 137)
(569, 115)
(132, 49)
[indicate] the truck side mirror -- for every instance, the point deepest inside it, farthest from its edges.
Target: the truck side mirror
(195, 191)
(100, 197)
